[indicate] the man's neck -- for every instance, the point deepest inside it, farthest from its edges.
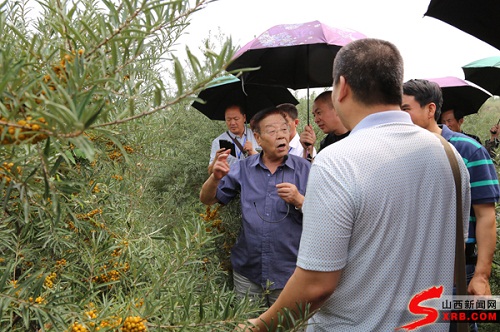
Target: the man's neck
(360, 111)
(240, 134)
(434, 128)
(339, 132)
(272, 164)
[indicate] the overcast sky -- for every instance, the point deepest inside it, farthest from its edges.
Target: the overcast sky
(430, 48)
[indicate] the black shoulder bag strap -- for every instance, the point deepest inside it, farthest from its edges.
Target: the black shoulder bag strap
(238, 144)
(460, 280)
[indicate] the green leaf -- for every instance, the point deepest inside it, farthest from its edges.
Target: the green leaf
(82, 105)
(178, 76)
(157, 98)
(94, 117)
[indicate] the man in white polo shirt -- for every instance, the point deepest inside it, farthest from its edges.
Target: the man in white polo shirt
(378, 208)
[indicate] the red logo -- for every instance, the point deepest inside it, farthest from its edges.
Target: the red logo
(431, 314)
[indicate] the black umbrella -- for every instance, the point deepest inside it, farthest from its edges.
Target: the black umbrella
(480, 18)
(251, 97)
(485, 73)
(462, 96)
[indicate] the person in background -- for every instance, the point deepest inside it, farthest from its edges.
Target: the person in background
(327, 120)
(454, 120)
(271, 186)
(492, 144)
(378, 209)
(422, 99)
(237, 134)
(292, 116)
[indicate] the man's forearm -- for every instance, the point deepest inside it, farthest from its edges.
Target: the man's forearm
(303, 288)
(486, 240)
(209, 190)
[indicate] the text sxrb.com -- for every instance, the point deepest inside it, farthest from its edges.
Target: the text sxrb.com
(431, 307)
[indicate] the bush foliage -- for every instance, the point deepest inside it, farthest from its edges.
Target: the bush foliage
(100, 171)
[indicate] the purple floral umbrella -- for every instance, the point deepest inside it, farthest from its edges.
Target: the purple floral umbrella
(460, 95)
(295, 56)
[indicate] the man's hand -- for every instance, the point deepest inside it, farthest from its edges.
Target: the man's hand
(221, 166)
(290, 194)
(217, 154)
(250, 326)
(248, 148)
(479, 285)
(308, 138)
(220, 169)
(495, 131)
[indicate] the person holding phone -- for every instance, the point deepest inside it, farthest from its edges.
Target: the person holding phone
(492, 144)
(271, 188)
(238, 138)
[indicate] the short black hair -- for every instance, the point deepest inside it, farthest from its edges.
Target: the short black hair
(425, 92)
(458, 115)
(373, 68)
(240, 107)
(325, 97)
(289, 109)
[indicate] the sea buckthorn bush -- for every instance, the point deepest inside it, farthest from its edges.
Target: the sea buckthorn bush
(100, 171)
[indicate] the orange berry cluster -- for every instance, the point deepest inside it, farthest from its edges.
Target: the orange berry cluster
(139, 303)
(128, 149)
(134, 324)
(111, 323)
(49, 280)
(38, 300)
(87, 216)
(91, 314)
(118, 251)
(116, 153)
(112, 275)
(212, 217)
(77, 327)
(7, 171)
(26, 129)
(60, 69)
(61, 263)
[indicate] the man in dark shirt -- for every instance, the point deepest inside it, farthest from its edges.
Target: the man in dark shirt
(453, 120)
(327, 120)
(271, 187)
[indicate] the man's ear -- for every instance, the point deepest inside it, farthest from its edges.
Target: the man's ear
(343, 89)
(256, 135)
(461, 121)
(296, 122)
(432, 110)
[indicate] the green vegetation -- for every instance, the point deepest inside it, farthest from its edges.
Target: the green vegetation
(101, 162)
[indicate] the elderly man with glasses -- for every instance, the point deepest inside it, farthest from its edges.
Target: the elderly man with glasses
(271, 185)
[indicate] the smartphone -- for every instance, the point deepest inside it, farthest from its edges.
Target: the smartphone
(225, 144)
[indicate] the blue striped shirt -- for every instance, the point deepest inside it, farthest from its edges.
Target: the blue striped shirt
(482, 172)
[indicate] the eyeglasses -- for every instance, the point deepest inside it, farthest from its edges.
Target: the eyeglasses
(273, 132)
(287, 205)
